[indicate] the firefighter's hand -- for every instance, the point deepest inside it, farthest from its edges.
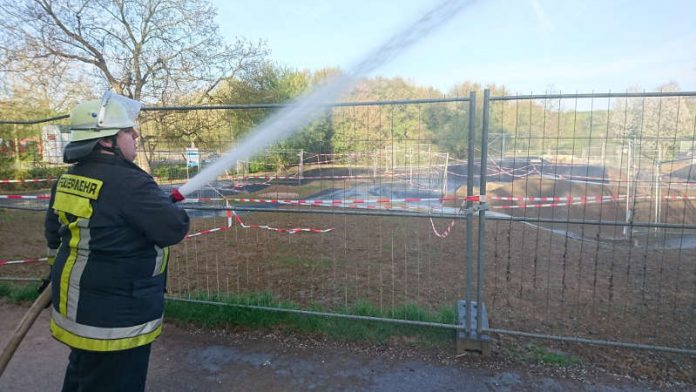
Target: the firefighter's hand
(176, 196)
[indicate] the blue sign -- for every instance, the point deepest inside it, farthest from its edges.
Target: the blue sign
(192, 157)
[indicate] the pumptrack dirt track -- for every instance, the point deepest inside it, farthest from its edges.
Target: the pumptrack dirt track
(310, 269)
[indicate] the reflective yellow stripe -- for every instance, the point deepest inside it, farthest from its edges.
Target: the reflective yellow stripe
(62, 218)
(75, 205)
(91, 344)
(161, 260)
(165, 259)
(51, 255)
(80, 186)
(67, 268)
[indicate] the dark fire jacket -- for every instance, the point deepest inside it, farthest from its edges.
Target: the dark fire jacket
(109, 225)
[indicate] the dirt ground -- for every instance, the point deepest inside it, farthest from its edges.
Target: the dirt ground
(535, 280)
(189, 359)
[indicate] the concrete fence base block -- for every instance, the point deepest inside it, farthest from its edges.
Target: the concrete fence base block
(471, 340)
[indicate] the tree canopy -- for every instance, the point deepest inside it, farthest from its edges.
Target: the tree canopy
(144, 49)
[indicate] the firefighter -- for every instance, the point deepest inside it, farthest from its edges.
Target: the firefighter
(108, 227)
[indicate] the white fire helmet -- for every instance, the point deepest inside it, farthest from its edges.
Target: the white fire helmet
(101, 118)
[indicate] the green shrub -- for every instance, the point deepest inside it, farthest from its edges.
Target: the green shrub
(171, 171)
(46, 171)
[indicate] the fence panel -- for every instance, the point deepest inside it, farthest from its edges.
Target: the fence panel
(594, 225)
(590, 232)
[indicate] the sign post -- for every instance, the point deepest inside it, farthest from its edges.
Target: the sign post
(193, 159)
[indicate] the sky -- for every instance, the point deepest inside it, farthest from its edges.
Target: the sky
(529, 46)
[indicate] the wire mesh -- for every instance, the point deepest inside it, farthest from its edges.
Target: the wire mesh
(601, 187)
(590, 232)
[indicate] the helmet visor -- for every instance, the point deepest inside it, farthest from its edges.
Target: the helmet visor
(131, 107)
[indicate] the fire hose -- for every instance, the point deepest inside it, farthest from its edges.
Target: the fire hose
(27, 321)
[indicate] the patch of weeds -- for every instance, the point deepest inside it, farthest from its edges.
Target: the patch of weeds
(17, 293)
(338, 328)
(447, 315)
(5, 290)
(532, 353)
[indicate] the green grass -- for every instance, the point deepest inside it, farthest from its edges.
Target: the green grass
(532, 353)
(379, 332)
(19, 292)
(216, 316)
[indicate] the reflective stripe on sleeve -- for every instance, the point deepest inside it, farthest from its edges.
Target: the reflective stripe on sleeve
(51, 255)
(159, 260)
(166, 260)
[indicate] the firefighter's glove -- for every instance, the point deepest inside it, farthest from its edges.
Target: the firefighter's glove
(176, 196)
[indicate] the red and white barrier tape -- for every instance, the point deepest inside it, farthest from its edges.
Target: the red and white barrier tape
(207, 231)
(30, 197)
(329, 201)
(674, 197)
(204, 232)
(447, 230)
(26, 180)
(237, 219)
(476, 198)
(269, 178)
(289, 231)
(25, 261)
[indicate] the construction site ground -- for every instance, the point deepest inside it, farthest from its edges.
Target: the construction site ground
(596, 286)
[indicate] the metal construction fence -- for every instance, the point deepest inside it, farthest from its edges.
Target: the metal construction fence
(570, 217)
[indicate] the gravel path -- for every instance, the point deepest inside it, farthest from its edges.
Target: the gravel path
(187, 359)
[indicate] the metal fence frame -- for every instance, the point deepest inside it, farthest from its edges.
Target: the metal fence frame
(471, 210)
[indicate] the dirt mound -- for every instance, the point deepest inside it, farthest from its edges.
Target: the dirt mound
(336, 172)
(279, 195)
(687, 173)
(675, 207)
(537, 186)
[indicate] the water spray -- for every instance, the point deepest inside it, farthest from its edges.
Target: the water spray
(310, 106)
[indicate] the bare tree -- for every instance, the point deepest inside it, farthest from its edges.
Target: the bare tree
(148, 50)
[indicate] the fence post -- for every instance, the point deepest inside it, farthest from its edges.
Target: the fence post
(658, 193)
(474, 340)
(15, 135)
(629, 178)
(444, 176)
(482, 213)
(469, 204)
(300, 175)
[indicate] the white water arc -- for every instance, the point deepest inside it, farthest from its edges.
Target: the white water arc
(309, 106)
